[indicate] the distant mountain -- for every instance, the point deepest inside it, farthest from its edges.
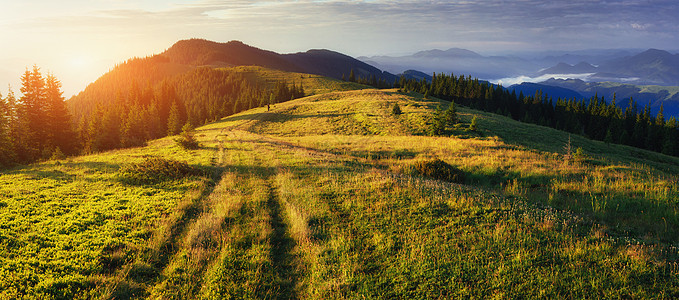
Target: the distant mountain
(592, 56)
(457, 61)
(649, 67)
(529, 89)
(417, 75)
(564, 68)
(199, 52)
(451, 53)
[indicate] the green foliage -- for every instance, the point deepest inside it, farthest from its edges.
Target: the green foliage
(473, 125)
(579, 154)
(187, 140)
(396, 110)
(440, 170)
(154, 170)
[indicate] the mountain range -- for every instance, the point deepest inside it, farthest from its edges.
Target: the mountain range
(199, 52)
(652, 66)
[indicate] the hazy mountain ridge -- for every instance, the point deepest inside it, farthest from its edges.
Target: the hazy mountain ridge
(651, 66)
(457, 61)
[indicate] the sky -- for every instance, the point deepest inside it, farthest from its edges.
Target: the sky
(80, 40)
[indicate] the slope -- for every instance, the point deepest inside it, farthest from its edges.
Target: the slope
(321, 197)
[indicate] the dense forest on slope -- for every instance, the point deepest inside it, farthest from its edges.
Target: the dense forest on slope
(196, 97)
(593, 118)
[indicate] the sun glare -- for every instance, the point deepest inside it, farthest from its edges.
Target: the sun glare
(79, 62)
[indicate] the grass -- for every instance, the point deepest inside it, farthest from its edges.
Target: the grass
(313, 84)
(317, 198)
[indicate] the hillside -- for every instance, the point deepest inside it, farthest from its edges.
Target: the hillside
(322, 197)
(146, 75)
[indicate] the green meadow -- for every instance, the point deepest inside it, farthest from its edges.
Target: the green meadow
(322, 198)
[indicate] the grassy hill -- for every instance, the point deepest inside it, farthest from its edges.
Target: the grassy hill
(323, 197)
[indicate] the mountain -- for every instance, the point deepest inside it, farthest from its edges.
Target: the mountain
(199, 52)
(652, 66)
(592, 56)
(564, 68)
(529, 88)
(457, 61)
(414, 74)
(334, 64)
(187, 55)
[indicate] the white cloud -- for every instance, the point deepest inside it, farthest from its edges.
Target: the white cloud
(506, 82)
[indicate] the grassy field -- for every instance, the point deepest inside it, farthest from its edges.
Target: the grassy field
(318, 198)
(313, 84)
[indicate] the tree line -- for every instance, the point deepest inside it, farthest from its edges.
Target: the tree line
(36, 125)
(594, 118)
(39, 125)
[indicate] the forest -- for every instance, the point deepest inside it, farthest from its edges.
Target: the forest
(39, 125)
(145, 100)
(594, 118)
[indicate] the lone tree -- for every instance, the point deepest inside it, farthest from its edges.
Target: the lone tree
(186, 139)
(473, 126)
(450, 115)
(396, 110)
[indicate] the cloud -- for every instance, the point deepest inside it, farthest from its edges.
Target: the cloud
(521, 79)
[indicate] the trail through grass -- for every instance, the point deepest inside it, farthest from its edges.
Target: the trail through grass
(318, 199)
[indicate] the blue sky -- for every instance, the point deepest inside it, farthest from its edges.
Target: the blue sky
(78, 40)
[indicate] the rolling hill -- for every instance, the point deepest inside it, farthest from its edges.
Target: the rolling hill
(332, 196)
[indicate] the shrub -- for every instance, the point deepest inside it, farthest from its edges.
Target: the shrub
(155, 170)
(396, 110)
(439, 169)
(473, 126)
(186, 139)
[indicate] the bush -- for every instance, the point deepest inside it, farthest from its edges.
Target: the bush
(473, 126)
(186, 139)
(439, 169)
(155, 170)
(396, 110)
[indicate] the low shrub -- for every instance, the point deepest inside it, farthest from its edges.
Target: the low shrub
(186, 139)
(440, 170)
(155, 170)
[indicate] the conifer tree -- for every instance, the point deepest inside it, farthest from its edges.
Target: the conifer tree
(33, 113)
(6, 147)
(174, 120)
(60, 132)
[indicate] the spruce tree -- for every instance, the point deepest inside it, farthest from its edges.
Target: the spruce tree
(33, 113)
(174, 121)
(60, 132)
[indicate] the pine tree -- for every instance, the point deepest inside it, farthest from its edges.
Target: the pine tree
(396, 110)
(352, 76)
(6, 148)
(173, 121)
(473, 126)
(33, 113)
(60, 132)
(450, 115)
